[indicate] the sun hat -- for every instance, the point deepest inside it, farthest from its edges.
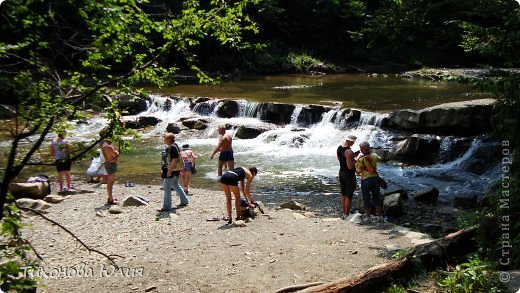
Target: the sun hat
(351, 137)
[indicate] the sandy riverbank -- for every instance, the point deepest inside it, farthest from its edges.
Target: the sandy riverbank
(182, 251)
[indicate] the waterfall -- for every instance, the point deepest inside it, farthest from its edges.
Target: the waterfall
(331, 116)
(164, 108)
(370, 118)
(248, 109)
(206, 108)
(295, 114)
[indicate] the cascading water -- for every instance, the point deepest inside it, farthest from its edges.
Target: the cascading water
(294, 161)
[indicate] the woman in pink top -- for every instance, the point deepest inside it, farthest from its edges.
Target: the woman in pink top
(189, 158)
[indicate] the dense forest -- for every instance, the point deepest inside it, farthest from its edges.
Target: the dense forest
(413, 33)
(290, 35)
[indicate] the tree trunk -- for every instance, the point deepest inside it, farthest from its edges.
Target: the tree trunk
(432, 255)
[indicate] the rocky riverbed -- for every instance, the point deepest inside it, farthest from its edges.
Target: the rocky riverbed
(191, 250)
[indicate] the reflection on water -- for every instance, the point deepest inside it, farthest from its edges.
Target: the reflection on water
(350, 90)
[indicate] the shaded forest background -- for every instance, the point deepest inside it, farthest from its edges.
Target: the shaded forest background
(397, 34)
(292, 35)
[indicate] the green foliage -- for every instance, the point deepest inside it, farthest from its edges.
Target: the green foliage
(503, 216)
(415, 32)
(499, 39)
(468, 219)
(396, 288)
(13, 254)
(500, 225)
(400, 253)
(302, 62)
(472, 276)
(58, 55)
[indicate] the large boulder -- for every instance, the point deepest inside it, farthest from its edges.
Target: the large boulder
(345, 118)
(173, 128)
(34, 190)
(275, 112)
(198, 124)
(429, 195)
(35, 204)
(460, 118)
(393, 205)
(227, 109)
(142, 122)
(249, 132)
(134, 201)
(310, 115)
(293, 205)
(133, 104)
(420, 150)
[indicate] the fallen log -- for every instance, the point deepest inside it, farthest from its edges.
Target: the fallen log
(294, 288)
(432, 255)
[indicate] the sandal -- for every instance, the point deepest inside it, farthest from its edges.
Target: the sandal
(113, 202)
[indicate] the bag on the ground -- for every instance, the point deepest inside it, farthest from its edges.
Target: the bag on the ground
(382, 183)
(193, 170)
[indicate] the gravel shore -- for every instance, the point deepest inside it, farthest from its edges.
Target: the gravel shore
(190, 250)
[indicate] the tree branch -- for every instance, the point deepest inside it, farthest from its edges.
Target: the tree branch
(73, 236)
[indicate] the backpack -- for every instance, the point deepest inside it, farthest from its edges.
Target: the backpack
(180, 161)
(166, 159)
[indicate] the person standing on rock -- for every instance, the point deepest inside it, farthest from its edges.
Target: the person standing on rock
(229, 183)
(367, 168)
(171, 169)
(189, 158)
(226, 151)
(347, 174)
(111, 156)
(60, 151)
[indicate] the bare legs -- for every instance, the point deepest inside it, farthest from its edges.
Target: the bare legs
(236, 192)
(65, 174)
(185, 181)
(110, 180)
(346, 203)
(230, 165)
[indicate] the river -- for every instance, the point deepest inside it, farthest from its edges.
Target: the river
(294, 161)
